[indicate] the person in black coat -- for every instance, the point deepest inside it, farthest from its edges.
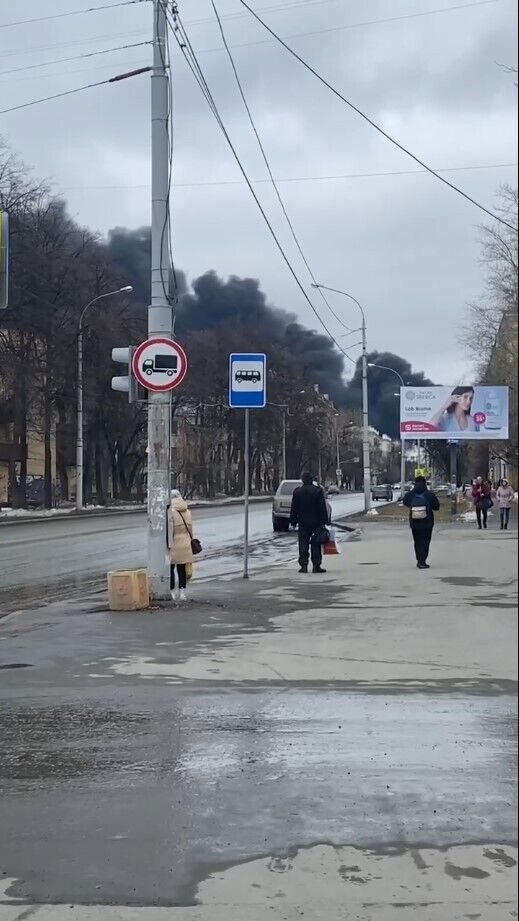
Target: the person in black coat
(309, 513)
(422, 504)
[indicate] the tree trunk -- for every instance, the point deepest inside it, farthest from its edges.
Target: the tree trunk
(47, 450)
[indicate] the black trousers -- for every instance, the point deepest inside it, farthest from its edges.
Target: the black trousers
(182, 576)
(422, 535)
(482, 516)
(309, 546)
(504, 514)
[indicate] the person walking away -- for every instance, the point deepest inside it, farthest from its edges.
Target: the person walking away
(180, 552)
(505, 497)
(482, 498)
(309, 513)
(422, 504)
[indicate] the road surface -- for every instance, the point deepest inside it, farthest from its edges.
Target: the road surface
(292, 748)
(42, 559)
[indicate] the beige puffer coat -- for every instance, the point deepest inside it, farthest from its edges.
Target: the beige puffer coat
(181, 524)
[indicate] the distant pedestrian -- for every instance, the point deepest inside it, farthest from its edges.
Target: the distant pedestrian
(180, 551)
(505, 497)
(310, 514)
(482, 498)
(422, 504)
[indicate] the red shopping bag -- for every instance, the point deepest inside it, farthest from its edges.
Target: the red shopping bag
(331, 548)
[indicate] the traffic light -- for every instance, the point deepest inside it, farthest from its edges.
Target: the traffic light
(4, 259)
(126, 384)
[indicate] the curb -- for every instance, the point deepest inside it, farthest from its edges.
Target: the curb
(138, 510)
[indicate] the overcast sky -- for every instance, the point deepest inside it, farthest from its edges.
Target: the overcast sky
(404, 245)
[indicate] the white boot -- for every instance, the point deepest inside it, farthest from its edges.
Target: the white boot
(174, 595)
(183, 594)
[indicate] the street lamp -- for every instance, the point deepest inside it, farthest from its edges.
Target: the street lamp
(365, 407)
(338, 469)
(373, 364)
(285, 409)
(79, 439)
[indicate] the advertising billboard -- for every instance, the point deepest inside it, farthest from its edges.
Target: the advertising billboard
(462, 413)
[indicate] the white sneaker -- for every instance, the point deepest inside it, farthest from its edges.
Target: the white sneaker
(183, 595)
(174, 595)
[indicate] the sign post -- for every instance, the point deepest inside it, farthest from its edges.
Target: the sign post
(247, 390)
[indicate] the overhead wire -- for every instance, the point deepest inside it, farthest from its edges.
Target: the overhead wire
(304, 5)
(76, 57)
(269, 169)
(77, 89)
(183, 41)
(357, 25)
(90, 9)
(228, 182)
(374, 124)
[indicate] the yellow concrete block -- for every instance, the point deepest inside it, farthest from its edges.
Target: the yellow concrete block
(128, 590)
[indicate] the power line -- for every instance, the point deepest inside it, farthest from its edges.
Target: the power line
(76, 57)
(78, 89)
(303, 5)
(90, 9)
(31, 49)
(269, 170)
(358, 25)
(185, 46)
(374, 125)
(226, 182)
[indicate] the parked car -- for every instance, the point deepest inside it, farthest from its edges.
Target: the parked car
(282, 504)
(384, 491)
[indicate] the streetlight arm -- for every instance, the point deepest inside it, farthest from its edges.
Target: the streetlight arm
(373, 364)
(344, 294)
(126, 290)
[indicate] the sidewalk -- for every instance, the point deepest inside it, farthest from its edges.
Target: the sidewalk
(338, 748)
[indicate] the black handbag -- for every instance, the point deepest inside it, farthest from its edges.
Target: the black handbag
(196, 546)
(322, 535)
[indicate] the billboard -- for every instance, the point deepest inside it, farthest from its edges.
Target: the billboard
(463, 413)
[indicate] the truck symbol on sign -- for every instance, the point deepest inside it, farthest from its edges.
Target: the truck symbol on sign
(242, 376)
(161, 364)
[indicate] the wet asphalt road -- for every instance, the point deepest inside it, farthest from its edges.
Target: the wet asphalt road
(124, 783)
(43, 559)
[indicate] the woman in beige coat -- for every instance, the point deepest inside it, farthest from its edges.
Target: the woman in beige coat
(180, 553)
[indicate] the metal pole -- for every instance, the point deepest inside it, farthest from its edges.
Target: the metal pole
(284, 445)
(419, 452)
(338, 450)
(365, 421)
(402, 467)
(454, 476)
(246, 474)
(79, 431)
(159, 313)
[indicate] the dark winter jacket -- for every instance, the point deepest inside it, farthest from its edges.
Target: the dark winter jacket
(309, 509)
(431, 502)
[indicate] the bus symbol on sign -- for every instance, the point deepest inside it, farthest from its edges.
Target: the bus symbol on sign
(242, 375)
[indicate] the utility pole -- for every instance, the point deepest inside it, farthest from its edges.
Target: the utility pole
(365, 419)
(159, 312)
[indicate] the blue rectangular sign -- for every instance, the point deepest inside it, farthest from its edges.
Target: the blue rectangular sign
(247, 381)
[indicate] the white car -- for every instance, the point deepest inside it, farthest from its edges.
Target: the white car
(282, 504)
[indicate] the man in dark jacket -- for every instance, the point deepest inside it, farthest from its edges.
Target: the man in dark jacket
(309, 513)
(422, 505)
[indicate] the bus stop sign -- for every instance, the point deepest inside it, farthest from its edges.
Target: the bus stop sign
(247, 380)
(159, 365)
